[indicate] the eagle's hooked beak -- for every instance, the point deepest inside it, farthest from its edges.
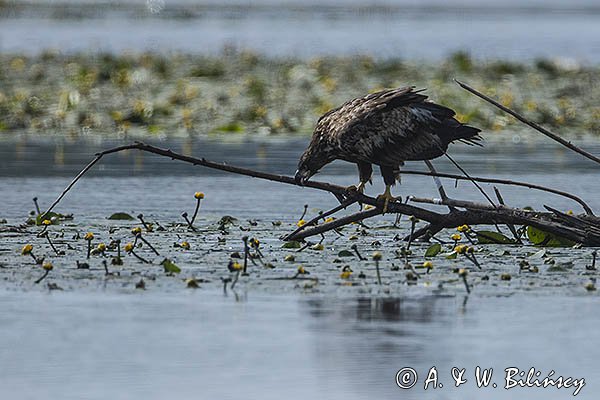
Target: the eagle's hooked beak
(301, 177)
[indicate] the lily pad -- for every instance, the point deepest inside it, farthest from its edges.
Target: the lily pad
(121, 216)
(170, 266)
(345, 253)
(292, 244)
(450, 256)
(542, 238)
(433, 250)
(491, 237)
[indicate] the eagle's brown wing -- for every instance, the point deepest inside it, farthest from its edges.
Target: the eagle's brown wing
(392, 126)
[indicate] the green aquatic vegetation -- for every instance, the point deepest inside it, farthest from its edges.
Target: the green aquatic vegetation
(170, 266)
(225, 90)
(491, 237)
(541, 238)
(433, 250)
(121, 216)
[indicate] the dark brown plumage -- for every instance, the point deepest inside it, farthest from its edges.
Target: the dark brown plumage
(384, 128)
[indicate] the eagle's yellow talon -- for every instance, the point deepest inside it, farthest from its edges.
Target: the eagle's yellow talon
(360, 188)
(386, 197)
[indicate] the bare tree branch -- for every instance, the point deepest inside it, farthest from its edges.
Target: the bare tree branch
(532, 124)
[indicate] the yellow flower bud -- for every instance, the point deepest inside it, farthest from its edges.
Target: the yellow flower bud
(136, 231)
(346, 272)
(27, 249)
(301, 223)
(101, 247)
(463, 228)
(199, 195)
(89, 236)
(289, 258)
(329, 219)
(128, 247)
(456, 237)
(185, 245)
(463, 272)
(302, 271)
(234, 266)
(428, 264)
(461, 249)
(48, 266)
(46, 222)
(377, 256)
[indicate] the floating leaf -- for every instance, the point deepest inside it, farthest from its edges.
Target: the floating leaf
(491, 237)
(292, 244)
(543, 238)
(539, 254)
(121, 216)
(170, 266)
(345, 253)
(433, 250)
(52, 216)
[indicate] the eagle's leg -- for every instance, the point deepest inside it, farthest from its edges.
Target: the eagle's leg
(365, 171)
(390, 174)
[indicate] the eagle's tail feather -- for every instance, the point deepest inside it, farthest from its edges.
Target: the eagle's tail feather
(455, 131)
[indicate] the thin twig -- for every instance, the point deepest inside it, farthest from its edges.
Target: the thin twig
(465, 173)
(511, 227)
(509, 182)
(438, 182)
(532, 124)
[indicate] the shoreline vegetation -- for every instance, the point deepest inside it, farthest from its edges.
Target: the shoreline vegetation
(238, 92)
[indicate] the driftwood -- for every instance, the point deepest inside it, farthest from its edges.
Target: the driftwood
(583, 228)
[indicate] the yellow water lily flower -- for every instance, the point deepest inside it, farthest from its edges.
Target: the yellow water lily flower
(27, 249)
(463, 228)
(199, 195)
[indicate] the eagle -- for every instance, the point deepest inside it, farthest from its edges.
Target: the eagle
(384, 128)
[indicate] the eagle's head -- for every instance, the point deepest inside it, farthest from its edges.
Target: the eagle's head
(318, 154)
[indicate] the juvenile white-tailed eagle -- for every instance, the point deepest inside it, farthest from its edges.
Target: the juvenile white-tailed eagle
(384, 128)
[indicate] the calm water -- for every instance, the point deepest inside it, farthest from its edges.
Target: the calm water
(204, 344)
(157, 186)
(518, 30)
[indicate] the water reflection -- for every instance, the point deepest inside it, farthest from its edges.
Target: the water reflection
(156, 345)
(363, 342)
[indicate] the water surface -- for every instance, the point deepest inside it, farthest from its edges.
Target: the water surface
(402, 29)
